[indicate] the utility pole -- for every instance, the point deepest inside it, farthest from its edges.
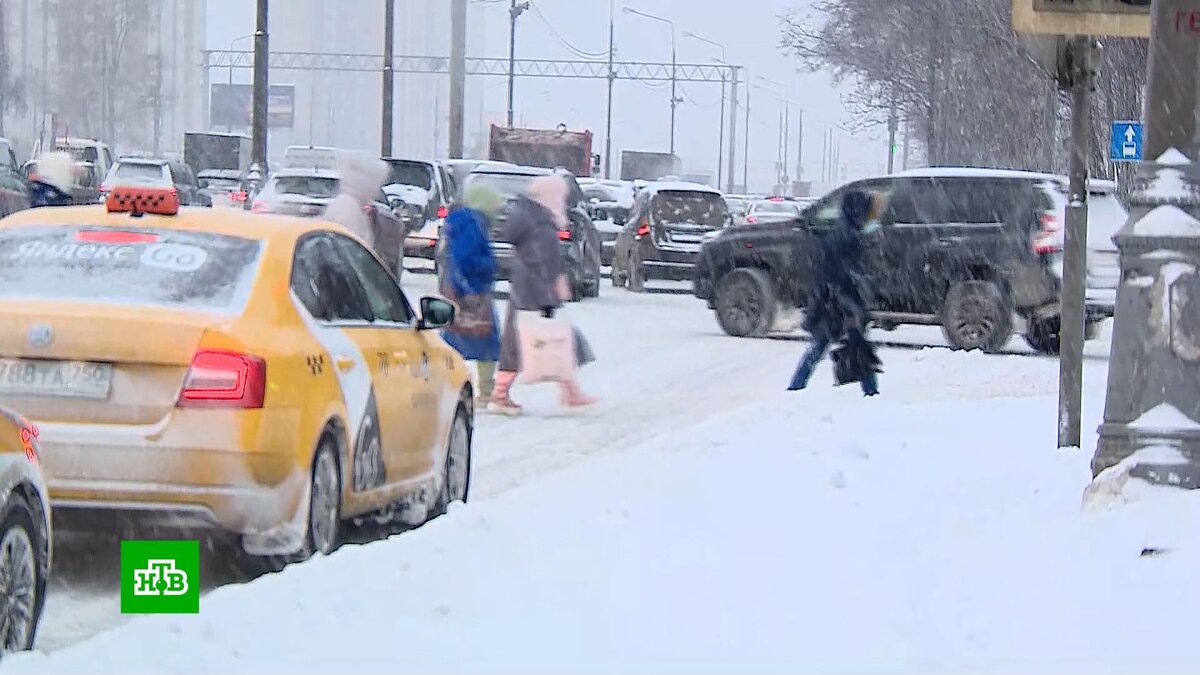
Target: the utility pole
(261, 85)
(779, 152)
(893, 127)
(907, 147)
(1074, 283)
(458, 75)
(825, 157)
(733, 106)
(721, 136)
(612, 77)
(3, 64)
(746, 149)
(800, 146)
(158, 77)
(674, 80)
(787, 122)
(515, 9)
(389, 80)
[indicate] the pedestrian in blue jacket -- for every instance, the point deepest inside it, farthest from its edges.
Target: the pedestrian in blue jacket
(468, 276)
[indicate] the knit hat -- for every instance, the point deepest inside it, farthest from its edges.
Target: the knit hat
(484, 199)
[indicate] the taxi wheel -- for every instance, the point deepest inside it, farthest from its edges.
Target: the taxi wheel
(325, 502)
(456, 474)
(22, 581)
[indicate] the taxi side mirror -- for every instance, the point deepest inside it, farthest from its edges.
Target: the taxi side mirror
(436, 313)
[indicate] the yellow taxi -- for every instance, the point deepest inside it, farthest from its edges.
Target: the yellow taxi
(24, 533)
(214, 370)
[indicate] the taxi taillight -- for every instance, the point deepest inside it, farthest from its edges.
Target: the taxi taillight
(139, 200)
(224, 379)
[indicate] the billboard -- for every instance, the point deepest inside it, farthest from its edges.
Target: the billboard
(229, 105)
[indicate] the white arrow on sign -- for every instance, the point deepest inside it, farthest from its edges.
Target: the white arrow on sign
(1130, 134)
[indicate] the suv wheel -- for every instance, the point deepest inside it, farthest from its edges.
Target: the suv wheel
(745, 303)
(1044, 335)
(976, 315)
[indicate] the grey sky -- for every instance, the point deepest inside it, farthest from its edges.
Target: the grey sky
(749, 29)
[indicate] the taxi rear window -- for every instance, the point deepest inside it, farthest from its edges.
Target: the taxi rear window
(129, 266)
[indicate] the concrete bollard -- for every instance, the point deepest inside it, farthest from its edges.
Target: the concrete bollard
(1152, 405)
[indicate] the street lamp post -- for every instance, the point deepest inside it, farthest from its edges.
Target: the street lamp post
(674, 65)
(515, 10)
(783, 122)
(229, 93)
(721, 137)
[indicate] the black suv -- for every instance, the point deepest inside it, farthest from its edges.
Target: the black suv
(976, 251)
(580, 243)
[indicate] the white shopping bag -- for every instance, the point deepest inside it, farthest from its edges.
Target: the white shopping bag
(547, 348)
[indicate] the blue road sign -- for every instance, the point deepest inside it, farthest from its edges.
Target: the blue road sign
(1126, 142)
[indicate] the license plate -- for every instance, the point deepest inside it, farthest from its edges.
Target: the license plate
(75, 379)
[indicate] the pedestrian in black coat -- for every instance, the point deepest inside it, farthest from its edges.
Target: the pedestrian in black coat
(836, 309)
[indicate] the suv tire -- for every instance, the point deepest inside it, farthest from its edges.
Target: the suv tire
(976, 315)
(745, 303)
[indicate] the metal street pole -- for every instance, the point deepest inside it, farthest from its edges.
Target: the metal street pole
(746, 148)
(893, 126)
(800, 146)
(787, 124)
(258, 122)
(158, 76)
(674, 82)
(458, 75)
(389, 80)
(720, 136)
(674, 65)
(612, 76)
(733, 106)
(1071, 321)
(515, 9)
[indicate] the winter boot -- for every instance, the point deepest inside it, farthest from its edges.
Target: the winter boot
(500, 402)
(573, 397)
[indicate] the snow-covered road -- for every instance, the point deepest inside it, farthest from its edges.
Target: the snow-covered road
(664, 367)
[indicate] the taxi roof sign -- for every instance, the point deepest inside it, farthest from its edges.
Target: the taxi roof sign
(1111, 18)
(139, 200)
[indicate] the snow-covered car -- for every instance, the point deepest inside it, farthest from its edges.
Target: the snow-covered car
(141, 171)
(307, 192)
(579, 241)
(25, 531)
(1106, 215)
(609, 203)
(435, 180)
(225, 187)
(662, 238)
(773, 209)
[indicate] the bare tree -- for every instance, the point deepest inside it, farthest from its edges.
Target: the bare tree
(104, 84)
(960, 76)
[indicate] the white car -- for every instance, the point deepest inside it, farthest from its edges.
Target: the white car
(774, 209)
